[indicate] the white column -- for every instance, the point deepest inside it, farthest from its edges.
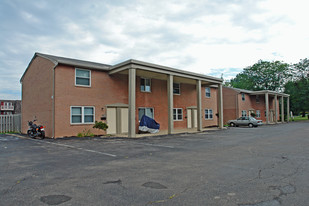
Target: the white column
(276, 108)
(170, 103)
(220, 108)
(267, 108)
(132, 86)
(199, 104)
(288, 109)
(282, 109)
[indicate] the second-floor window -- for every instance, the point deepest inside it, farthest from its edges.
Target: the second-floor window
(82, 77)
(207, 91)
(257, 98)
(243, 97)
(145, 85)
(176, 88)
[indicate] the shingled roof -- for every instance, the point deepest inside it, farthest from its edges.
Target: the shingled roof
(74, 62)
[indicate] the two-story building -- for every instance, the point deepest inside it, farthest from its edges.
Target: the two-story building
(8, 107)
(264, 104)
(72, 94)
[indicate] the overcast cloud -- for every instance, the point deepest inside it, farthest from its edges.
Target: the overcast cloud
(208, 37)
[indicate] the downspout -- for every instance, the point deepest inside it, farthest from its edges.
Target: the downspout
(237, 112)
(53, 102)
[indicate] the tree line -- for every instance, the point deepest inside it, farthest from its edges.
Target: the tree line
(292, 79)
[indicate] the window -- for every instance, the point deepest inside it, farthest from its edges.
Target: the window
(82, 115)
(243, 97)
(207, 90)
(208, 114)
(257, 99)
(258, 113)
(177, 114)
(145, 85)
(243, 113)
(145, 111)
(82, 77)
(176, 88)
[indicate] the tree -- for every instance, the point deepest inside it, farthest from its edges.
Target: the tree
(298, 87)
(299, 95)
(263, 75)
(301, 69)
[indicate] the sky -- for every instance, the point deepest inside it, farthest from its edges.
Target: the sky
(211, 37)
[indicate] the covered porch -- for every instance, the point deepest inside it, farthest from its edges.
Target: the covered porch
(134, 68)
(277, 97)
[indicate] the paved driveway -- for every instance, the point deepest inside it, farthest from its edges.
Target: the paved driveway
(264, 166)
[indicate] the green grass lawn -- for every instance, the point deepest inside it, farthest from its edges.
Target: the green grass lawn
(300, 118)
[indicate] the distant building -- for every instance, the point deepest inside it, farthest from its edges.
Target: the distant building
(10, 107)
(264, 104)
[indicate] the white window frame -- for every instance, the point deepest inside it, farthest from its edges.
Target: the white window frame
(242, 113)
(257, 99)
(243, 97)
(173, 89)
(145, 84)
(207, 92)
(176, 109)
(212, 114)
(153, 112)
(258, 114)
(81, 85)
(83, 115)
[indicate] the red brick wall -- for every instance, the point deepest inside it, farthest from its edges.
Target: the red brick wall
(230, 97)
(233, 110)
(37, 94)
(157, 99)
(104, 90)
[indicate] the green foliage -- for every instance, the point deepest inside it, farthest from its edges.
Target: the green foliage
(301, 69)
(298, 87)
(299, 95)
(263, 75)
(85, 133)
(253, 114)
(100, 125)
(300, 118)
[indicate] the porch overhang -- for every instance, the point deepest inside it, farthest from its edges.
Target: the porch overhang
(271, 93)
(155, 71)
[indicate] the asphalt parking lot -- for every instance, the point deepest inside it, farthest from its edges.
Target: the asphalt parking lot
(264, 166)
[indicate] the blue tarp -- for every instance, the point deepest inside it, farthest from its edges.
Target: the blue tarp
(148, 124)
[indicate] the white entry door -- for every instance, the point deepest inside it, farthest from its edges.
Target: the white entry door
(111, 118)
(117, 120)
(192, 118)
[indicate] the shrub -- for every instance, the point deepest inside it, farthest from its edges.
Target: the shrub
(100, 125)
(253, 114)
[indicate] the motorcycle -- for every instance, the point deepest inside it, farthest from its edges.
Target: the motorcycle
(35, 130)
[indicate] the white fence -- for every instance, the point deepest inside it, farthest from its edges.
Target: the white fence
(10, 123)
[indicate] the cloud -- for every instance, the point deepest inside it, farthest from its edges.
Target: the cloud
(207, 37)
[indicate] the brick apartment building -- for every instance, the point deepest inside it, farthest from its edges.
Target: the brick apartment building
(73, 94)
(265, 104)
(8, 107)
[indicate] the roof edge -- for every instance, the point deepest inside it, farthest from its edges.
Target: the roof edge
(34, 56)
(170, 69)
